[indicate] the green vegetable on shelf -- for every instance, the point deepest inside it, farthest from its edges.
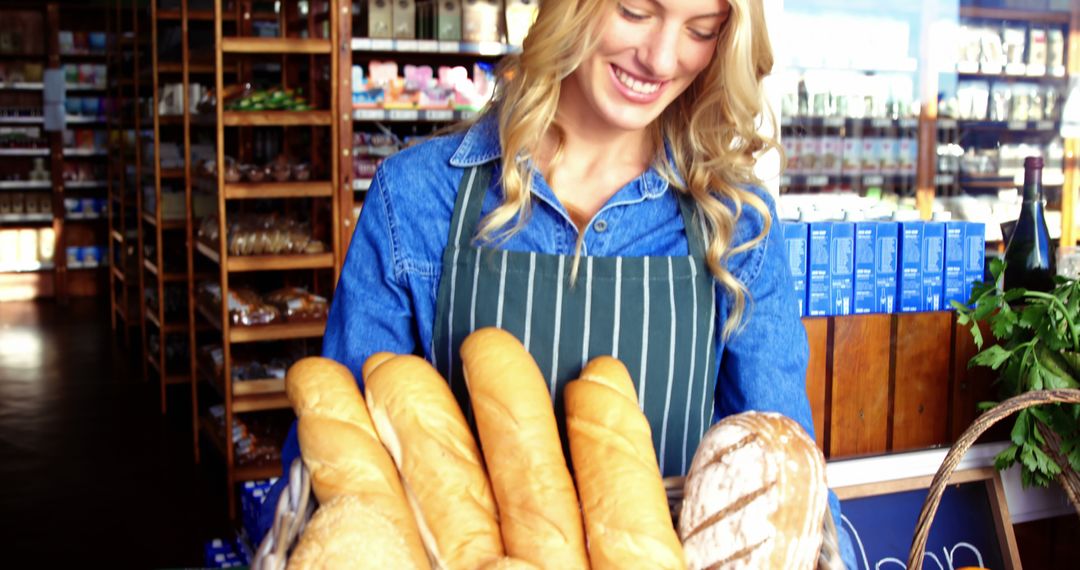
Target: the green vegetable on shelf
(1038, 348)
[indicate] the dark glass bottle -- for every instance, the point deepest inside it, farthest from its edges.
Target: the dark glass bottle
(1029, 263)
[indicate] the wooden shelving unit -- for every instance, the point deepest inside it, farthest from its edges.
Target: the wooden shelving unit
(303, 57)
(126, 50)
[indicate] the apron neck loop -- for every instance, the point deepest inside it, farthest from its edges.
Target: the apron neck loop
(470, 200)
(695, 231)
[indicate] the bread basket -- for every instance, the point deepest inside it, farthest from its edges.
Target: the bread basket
(297, 504)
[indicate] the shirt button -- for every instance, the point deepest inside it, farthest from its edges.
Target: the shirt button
(600, 226)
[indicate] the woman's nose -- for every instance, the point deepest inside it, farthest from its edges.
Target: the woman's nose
(659, 53)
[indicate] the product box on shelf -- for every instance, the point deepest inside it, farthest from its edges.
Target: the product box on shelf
(403, 16)
(933, 262)
(863, 300)
(909, 281)
(955, 276)
(818, 282)
(886, 253)
(974, 255)
(449, 20)
(520, 15)
(380, 18)
(841, 267)
(795, 239)
(480, 21)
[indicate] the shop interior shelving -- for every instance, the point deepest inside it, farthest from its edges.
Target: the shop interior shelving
(287, 49)
(52, 225)
(128, 49)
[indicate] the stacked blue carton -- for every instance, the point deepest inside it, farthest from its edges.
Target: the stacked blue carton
(841, 268)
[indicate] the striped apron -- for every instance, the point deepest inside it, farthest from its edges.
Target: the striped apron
(655, 314)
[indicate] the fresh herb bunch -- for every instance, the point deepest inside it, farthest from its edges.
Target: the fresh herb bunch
(1039, 349)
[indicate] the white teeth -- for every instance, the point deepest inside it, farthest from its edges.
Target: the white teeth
(635, 85)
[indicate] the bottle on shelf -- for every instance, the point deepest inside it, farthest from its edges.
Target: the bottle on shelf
(1029, 262)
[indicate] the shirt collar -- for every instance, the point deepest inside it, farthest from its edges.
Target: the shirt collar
(481, 145)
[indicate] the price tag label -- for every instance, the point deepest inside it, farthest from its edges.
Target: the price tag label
(440, 115)
(449, 47)
(1015, 68)
(407, 45)
(820, 180)
(990, 68)
(946, 123)
(490, 48)
(873, 180)
(909, 123)
(382, 45)
(404, 114)
(785, 180)
(881, 123)
(1045, 125)
(834, 121)
(427, 46)
(369, 114)
(942, 179)
(967, 67)
(361, 44)
(361, 184)
(1016, 125)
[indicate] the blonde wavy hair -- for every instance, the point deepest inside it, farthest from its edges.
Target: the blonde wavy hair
(711, 128)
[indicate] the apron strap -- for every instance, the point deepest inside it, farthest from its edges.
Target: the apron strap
(467, 205)
(695, 236)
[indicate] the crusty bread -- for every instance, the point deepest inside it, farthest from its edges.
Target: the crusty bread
(623, 501)
(755, 496)
(540, 518)
(421, 425)
(341, 448)
(507, 563)
(347, 533)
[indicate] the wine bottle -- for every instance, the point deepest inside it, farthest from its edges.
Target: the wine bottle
(1029, 263)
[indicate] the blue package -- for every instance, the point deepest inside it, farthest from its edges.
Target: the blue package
(909, 282)
(818, 282)
(933, 266)
(841, 267)
(954, 265)
(864, 298)
(974, 256)
(887, 257)
(795, 239)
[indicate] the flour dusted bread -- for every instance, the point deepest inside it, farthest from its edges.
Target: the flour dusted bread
(346, 533)
(342, 451)
(755, 496)
(421, 425)
(623, 501)
(538, 507)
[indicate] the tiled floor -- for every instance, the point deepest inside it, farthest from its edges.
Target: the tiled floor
(90, 471)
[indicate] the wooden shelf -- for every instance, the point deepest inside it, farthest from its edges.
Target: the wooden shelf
(1034, 16)
(239, 263)
(165, 224)
(377, 45)
(168, 277)
(240, 472)
(25, 185)
(284, 331)
(241, 191)
(275, 118)
(275, 45)
(413, 115)
(251, 395)
(166, 328)
(24, 152)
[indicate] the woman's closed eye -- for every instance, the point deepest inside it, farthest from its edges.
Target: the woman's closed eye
(631, 14)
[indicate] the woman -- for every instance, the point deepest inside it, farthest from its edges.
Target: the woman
(603, 204)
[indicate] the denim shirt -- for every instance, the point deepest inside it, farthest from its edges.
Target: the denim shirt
(385, 298)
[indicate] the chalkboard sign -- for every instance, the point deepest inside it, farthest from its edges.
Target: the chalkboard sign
(970, 528)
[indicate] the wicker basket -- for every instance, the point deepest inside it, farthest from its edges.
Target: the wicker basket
(1068, 479)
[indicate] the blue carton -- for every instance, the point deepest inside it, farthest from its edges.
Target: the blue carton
(909, 282)
(887, 254)
(841, 268)
(818, 281)
(933, 266)
(974, 256)
(954, 265)
(864, 297)
(795, 238)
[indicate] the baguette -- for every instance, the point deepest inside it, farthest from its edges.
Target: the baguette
(346, 533)
(756, 496)
(342, 451)
(627, 520)
(422, 427)
(540, 518)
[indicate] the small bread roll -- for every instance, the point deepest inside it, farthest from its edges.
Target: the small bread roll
(623, 500)
(341, 448)
(540, 518)
(756, 496)
(422, 427)
(346, 533)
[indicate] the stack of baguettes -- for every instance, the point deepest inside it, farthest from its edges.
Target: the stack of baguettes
(403, 484)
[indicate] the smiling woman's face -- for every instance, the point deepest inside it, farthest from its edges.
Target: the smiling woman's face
(649, 53)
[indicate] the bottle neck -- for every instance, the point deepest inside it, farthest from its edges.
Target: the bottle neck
(1033, 191)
